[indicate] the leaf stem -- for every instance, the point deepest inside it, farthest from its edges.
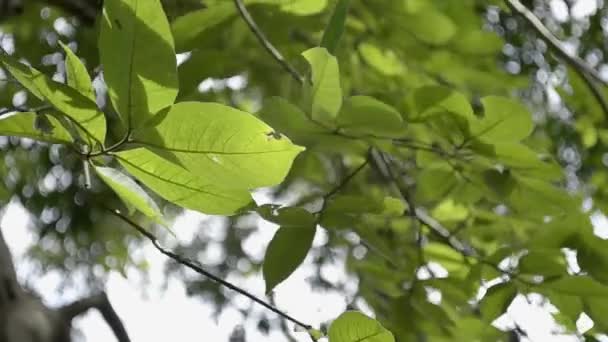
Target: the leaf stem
(193, 265)
(268, 46)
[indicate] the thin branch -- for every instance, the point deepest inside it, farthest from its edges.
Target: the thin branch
(420, 214)
(272, 50)
(193, 265)
(590, 76)
(553, 41)
(101, 303)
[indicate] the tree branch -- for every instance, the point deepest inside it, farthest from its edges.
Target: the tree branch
(272, 50)
(193, 265)
(589, 75)
(418, 213)
(552, 40)
(101, 303)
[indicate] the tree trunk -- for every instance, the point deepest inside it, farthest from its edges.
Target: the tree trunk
(24, 318)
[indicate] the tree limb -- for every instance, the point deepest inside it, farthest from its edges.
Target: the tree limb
(553, 41)
(272, 50)
(103, 305)
(193, 265)
(589, 75)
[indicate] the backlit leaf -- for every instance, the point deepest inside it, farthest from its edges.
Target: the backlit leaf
(221, 144)
(138, 58)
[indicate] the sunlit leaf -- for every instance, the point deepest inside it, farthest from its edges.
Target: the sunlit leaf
(354, 326)
(326, 90)
(363, 115)
(220, 144)
(179, 186)
(23, 125)
(138, 58)
(67, 100)
(130, 192)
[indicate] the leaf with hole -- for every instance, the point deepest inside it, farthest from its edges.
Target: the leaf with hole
(220, 144)
(180, 186)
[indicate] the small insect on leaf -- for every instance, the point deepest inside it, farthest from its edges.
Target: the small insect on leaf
(118, 24)
(43, 124)
(274, 134)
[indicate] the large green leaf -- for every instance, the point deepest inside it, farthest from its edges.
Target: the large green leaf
(179, 186)
(78, 76)
(220, 144)
(326, 93)
(583, 286)
(430, 27)
(288, 119)
(354, 326)
(138, 57)
(504, 120)
(130, 192)
(364, 115)
(429, 100)
(24, 125)
(286, 252)
(287, 216)
(385, 62)
(496, 300)
(188, 28)
(67, 100)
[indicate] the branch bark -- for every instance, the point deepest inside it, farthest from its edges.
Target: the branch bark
(590, 76)
(103, 305)
(268, 46)
(193, 265)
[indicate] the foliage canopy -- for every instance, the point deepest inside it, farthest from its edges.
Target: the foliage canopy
(390, 126)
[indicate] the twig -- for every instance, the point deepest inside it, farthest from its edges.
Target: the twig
(418, 213)
(553, 41)
(272, 50)
(101, 303)
(589, 75)
(193, 265)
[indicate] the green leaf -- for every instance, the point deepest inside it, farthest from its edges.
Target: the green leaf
(286, 252)
(477, 42)
(78, 76)
(597, 309)
(288, 119)
(188, 28)
(504, 120)
(24, 125)
(429, 100)
(130, 192)
(497, 300)
(583, 286)
(431, 27)
(326, 90)
(64, 98)
(363, 115)
(138, 57)
(220, 144)
(179, 186)
(335, 28)
(385, 62)
(354, 326)
(301, 7)
(545, 262)
(452, 260)
(286, 217)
